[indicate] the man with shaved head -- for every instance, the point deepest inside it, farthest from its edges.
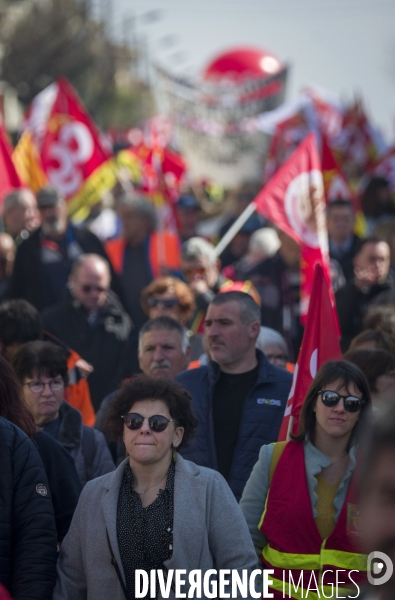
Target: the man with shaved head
(92, 321)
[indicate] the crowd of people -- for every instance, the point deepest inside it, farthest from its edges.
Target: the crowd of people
(143, 384)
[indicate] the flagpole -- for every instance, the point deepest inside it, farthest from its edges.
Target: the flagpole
(237, 225)
(290, 427)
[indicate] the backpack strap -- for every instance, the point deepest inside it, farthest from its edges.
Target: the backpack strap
(88, 447)
(277, 452)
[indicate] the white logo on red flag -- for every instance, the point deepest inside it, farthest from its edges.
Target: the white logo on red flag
(73, 149)
(294, 201)
(304, 207)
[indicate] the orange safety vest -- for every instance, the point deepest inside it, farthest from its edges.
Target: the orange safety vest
(163, 253)
(77, 393)
(295, 544)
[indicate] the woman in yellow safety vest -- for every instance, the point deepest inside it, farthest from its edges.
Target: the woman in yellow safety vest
(300, 502)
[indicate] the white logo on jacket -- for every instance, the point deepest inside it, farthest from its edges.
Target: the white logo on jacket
(269, 401)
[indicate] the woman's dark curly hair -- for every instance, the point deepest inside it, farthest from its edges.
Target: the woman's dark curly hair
(142, 387)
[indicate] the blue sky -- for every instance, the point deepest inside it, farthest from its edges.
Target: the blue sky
(344, 46)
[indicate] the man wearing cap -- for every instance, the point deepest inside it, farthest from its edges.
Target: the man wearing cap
(187, 211)
(43, 261)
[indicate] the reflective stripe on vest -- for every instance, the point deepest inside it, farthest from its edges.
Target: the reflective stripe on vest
(335, 558)
(294, 542)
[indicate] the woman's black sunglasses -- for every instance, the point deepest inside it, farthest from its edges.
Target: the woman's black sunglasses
(165, 302)
(156, 423)
(351, 403)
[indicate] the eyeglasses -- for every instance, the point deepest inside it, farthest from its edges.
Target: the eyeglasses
(157, 423)
(331, 399)
(87, 289)
(278, 357)
(36, 387)
(194, 271)
(165, 302)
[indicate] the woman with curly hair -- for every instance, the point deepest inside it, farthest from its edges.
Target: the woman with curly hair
(168, 296)
(157, 511)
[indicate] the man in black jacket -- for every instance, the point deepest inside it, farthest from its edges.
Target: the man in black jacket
(92, 321)
(27, 525)
(43, 261)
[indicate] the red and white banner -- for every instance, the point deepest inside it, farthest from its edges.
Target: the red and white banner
(320, 343)
(359, 144)
(73, 152)
(294, 201)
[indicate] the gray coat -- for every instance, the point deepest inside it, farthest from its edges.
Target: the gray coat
(210, 532)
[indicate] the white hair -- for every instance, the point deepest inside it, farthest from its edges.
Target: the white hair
(268, 336)
(264, 241)
(197, 247)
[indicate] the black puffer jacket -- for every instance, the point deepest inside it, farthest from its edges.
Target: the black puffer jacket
(27, 524)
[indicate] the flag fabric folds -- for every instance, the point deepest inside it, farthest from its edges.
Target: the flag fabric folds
(320, 343)
(74, 154)
(27, 161)
(293, 200)
(9, 178)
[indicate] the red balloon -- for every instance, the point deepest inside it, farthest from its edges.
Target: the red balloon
(239, 64)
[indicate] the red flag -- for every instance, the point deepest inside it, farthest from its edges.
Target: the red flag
(320, 343)
(73, 153)
(335, 183)
(71, 149)
(9, 178)
(294, 201)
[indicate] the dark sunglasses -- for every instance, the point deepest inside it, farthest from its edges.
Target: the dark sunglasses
(157, 423)
(166, 302)
(194, 271)
(351, 403)
(92, 288)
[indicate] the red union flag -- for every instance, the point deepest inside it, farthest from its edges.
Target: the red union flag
(73, 155)
(294, 201)
(320, 343)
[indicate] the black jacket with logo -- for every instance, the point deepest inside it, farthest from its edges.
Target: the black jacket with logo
(27, 525)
